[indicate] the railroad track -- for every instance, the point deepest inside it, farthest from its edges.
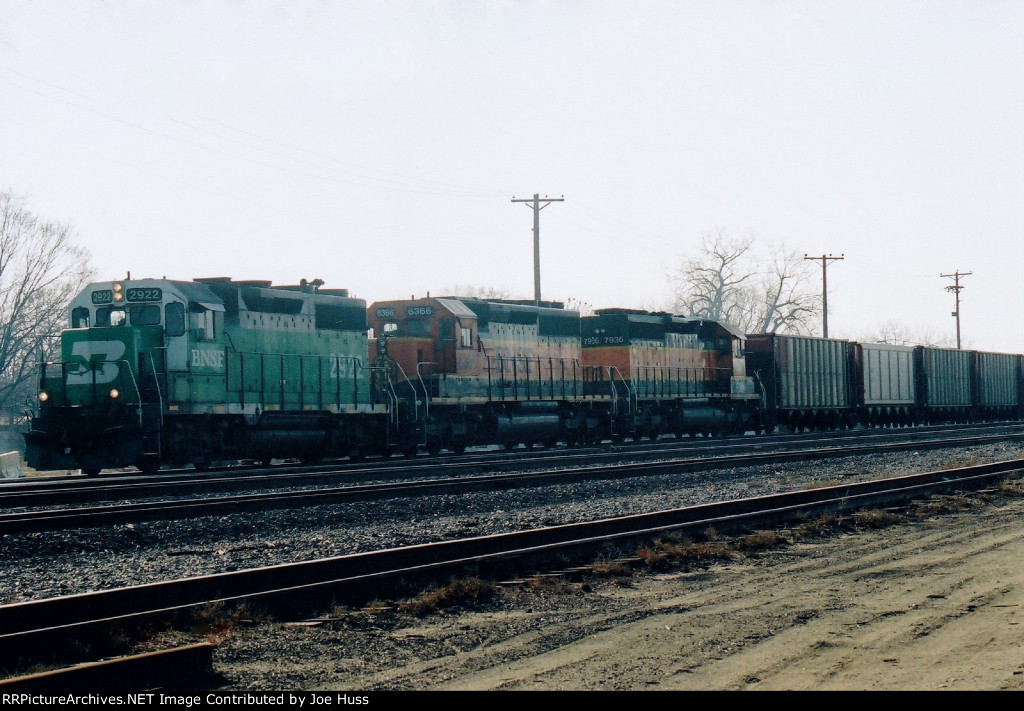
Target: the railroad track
(82, 517)
(79, 490)
(36, 629)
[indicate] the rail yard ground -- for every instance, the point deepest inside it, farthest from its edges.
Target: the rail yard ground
(927, 598)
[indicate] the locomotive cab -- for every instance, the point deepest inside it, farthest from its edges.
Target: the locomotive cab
(101, 401)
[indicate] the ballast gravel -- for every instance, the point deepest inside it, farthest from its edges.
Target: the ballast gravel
(42, 565)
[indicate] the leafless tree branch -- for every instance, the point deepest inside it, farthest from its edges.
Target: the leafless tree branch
(729, 281)
(41, 269)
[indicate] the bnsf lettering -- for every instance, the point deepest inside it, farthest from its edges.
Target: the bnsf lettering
(419, 310)
(207, 359)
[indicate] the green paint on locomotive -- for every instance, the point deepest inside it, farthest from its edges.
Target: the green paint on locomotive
(273, 349)
(157, 370)
(100, 364)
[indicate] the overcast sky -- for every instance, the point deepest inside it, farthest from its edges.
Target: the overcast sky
(378, 145)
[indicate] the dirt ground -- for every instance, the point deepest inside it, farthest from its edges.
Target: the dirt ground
(931, 601)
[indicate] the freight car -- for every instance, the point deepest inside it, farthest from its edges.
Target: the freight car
(806, 382)
(157, 371)
(883, 384)
(816, 383)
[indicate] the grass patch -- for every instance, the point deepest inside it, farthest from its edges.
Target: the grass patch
(760, 540)
(217, 621)
(668, 553)
(823, 525)
(1011, 486)
(457, 592)
(944, 504)
(873, 518)
(611, 568)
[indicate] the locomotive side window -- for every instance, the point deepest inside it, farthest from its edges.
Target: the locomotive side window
(80, 317)
(148, 315)
(174, 319)
(109, 316)
(466, 337)
(202, 323)
(417, 328)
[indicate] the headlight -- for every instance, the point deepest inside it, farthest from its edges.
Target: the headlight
(44, 396)
(115, 393)
(118, 295)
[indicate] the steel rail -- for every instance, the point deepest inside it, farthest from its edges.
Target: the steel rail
(27, 627)
(61, 519)
(80, 491)
(178, 667)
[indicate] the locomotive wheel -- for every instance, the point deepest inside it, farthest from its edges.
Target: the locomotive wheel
(90, 471)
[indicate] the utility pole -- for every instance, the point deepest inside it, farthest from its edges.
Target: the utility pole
(825, 259)
(955, 276)
(534, 204)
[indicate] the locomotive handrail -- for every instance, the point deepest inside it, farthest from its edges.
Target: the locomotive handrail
(300, 391)
(388, 388)
(648, 382)
(415, 395)
(514, 381)
(426, 395)
(631, 398)
(156, 381)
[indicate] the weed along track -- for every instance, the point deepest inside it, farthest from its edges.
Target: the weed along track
(34, 629)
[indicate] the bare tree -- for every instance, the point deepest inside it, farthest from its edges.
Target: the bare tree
(756, 292)
(899, 333)
(481, 292)
(41, 269)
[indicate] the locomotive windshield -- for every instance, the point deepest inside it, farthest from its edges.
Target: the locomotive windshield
(110, 316)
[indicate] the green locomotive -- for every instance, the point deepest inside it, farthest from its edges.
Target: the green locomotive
(155, 371)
